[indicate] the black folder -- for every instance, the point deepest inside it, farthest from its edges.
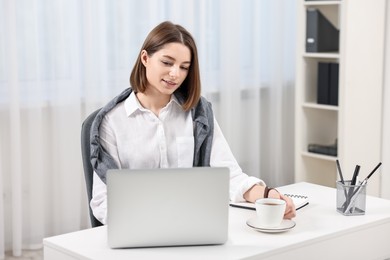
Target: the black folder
(334, 84)
(323, 83)
(328, 83)
(321, 35)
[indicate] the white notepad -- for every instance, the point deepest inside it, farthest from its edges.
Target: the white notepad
(300, 201)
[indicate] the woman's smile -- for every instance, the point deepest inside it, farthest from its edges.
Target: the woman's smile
(169, 83)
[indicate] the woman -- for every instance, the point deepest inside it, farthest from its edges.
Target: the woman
(163, 122)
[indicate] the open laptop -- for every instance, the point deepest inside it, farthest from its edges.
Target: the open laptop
(167, 207)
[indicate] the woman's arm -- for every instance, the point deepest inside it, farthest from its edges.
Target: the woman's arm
(221, 156)
(98, 202)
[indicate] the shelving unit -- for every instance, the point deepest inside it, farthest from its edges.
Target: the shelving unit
(356, 122)
(315, 123)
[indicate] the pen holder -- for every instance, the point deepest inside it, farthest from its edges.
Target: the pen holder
(351, 199)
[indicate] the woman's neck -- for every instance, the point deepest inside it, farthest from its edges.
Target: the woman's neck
(153, 101)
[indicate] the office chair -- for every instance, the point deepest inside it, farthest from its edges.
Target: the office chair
(88, 170)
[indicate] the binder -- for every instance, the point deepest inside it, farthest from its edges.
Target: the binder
(323, 77)
(323, 149)
(328, 83)
(321, 35)
(334, 84)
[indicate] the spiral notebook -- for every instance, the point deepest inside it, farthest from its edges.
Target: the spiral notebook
(300, 201)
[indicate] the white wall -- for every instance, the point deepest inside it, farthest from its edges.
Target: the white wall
(385, 175)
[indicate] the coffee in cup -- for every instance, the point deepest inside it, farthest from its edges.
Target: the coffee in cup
(270, 211)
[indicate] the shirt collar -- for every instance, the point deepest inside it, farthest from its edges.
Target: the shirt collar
(132, 103)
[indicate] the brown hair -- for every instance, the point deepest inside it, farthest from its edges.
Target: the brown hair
(164, 33)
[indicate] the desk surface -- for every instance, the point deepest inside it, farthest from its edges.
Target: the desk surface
(320, 232)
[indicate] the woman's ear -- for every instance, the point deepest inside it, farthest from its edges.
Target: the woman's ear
(144, 57)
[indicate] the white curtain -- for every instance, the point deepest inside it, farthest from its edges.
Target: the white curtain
(62, 59)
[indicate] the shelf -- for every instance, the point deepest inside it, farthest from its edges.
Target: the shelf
(349, 122)
(319, 156)
(314, 3)
(322, 55)
(315, 123)
(320, 106)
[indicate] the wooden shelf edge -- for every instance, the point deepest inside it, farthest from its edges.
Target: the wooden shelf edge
(322, 55)
(320, 106)
(314, 3)
(319, 156)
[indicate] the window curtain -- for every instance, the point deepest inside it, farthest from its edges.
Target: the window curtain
(62, 59)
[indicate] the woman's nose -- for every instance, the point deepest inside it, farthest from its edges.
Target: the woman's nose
(174, 72)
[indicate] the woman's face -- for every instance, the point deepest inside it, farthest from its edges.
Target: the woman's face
(167, 68)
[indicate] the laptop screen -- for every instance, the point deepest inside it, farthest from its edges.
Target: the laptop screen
(167, 207)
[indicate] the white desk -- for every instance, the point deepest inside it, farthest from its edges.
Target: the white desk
(320, 233)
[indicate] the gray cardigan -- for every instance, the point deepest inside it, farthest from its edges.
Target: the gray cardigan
(202, 115)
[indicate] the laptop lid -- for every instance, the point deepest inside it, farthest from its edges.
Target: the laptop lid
(167, 207)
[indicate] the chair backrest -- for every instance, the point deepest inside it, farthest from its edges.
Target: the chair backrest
(88, 170)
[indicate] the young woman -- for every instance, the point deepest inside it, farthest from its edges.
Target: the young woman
(162, 121)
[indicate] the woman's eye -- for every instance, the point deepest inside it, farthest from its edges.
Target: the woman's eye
(185, 68)
(166, 63)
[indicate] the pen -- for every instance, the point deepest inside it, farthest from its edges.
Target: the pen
(341, 178)
(364, 182)
(340, 173)
(352, 189)
(372, 172)
(355, 174)
(368, 176)
(242, 207)
(352, 198)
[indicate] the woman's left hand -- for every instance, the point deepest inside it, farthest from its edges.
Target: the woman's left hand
(290, 211)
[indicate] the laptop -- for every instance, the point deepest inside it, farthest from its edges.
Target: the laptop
(167, 207)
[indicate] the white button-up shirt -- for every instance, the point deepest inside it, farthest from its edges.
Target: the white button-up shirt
(136, 138)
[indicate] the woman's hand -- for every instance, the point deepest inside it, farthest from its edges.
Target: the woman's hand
(290, 207)
(257, 192)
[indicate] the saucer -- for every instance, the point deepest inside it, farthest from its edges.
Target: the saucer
(286, 224)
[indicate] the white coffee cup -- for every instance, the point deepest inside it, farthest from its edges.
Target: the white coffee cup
(270, 211)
